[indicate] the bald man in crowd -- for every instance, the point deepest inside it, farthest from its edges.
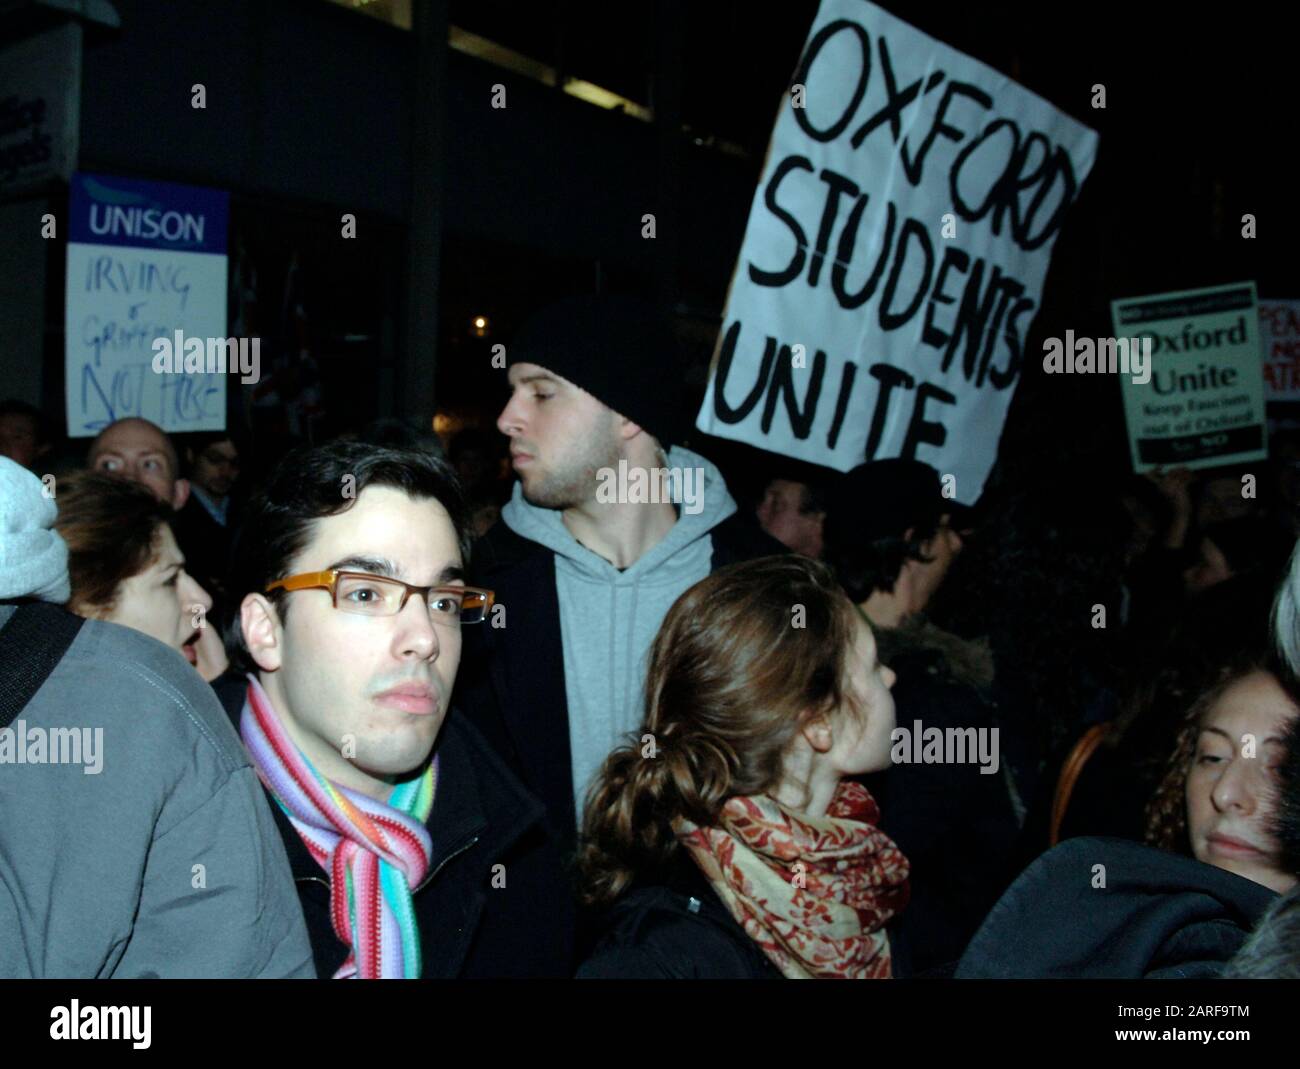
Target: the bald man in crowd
(138, 450)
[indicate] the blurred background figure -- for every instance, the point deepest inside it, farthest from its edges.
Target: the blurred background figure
(396, 433)
(24, 433)
(205, 526)
(891, 538)
(1284, 453)
(1238, 546)
(478, 458)
(792, 510)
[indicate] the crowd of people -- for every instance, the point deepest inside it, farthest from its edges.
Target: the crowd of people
(805, 725)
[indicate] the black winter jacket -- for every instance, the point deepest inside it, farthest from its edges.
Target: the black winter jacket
(677, 930)
(470, 925)
(953, 822)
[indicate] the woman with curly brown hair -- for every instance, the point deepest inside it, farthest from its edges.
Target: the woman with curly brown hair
(726, 836)
(1217, 799)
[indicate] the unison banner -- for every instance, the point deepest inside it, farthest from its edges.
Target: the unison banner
(895, 253)
(145, 260)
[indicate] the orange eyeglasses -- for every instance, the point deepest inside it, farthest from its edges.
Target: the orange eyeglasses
(377, 595)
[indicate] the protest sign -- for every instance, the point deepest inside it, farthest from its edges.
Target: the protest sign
(1279, 348)
(1204, 403)
(895, 254)
(146, 261)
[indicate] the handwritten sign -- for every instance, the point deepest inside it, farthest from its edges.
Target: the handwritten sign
(1204, 403)
(895, 254)
(145, 259)
(1279, 348)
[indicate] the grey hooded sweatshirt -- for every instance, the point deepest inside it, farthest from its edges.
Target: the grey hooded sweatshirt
(609, 617)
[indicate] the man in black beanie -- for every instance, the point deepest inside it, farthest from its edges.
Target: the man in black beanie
(611, 520)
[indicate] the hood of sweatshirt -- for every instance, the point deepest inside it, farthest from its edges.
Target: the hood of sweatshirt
(694, 520)
(609, 617)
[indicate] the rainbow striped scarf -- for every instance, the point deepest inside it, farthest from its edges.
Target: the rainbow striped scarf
(374, 853)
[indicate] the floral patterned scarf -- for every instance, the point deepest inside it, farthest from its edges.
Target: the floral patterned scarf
(813, 892)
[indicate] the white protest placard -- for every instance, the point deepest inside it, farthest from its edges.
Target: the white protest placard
(895, 254)
(146, 265)
(1279, 348)
(1204, 404)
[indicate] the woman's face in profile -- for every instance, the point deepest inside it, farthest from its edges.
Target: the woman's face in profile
(1232, 780)
(160, 600)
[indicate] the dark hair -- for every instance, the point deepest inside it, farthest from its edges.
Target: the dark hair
(111, 527)
(866, 566)
(814, 479)
(1045, 555)
(309, 484)
(813, 499)
(198, 443)
(14, 407)
(1251, 542)
(730, 682)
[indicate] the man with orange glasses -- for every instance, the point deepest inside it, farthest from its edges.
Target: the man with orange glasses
(411, 844)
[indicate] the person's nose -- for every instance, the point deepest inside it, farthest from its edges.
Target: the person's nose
(194, 594)
(891, 677)
(1234, 789)
(417, 638)
(511, 421)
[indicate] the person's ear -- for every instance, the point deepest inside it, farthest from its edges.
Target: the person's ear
(263, 635)
(180, 494)
(817, 730)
